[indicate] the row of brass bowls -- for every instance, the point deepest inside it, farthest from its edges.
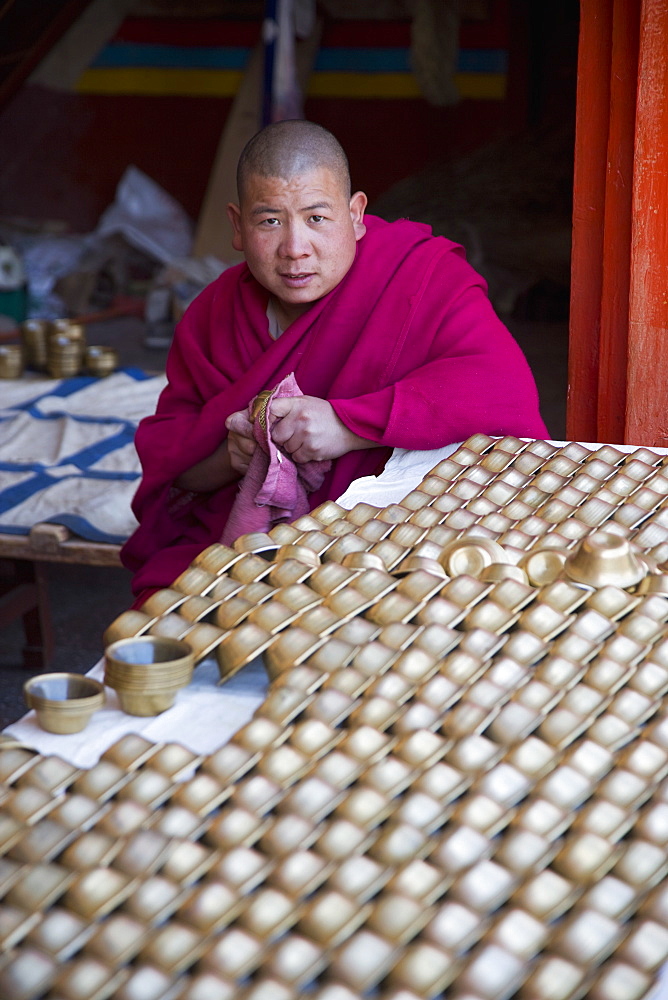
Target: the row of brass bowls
(58, 347)
(145, 671)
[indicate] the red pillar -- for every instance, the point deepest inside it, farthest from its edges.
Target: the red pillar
(647, 416)
(618, 358)
(612, 375)
(591, 139)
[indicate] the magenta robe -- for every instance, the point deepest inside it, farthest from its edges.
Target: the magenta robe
(407, 349)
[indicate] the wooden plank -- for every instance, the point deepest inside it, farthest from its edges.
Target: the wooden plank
(646, 421)
(591, 141)
(214, 232)
(67, 550)
(74, 52)
(43, 31)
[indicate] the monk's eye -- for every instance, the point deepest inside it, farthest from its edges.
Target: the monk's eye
(317, 218)
(270, 222)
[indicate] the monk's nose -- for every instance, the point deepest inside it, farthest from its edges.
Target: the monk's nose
(295, 243)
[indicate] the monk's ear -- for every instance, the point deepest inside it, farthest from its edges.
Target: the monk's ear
(357, 207)
(234, 215)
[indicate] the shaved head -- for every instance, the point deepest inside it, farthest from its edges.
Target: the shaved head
(292, 148)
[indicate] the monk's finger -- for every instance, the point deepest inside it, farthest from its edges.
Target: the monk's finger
(283, 429)
(281, 407)
(239, 442)
(240, 424)
(240, 450)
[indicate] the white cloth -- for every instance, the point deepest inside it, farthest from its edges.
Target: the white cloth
(203, 717)
(403, 472)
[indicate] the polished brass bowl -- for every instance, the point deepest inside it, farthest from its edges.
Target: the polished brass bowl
(216, 558)
(256, 541)
(147, 671)
(471, 555)
(604, 558)
(148, 660)
(543, 566)
(143, 703)
(63, 702)
(128, 624)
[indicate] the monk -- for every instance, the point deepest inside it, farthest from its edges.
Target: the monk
(388, 332)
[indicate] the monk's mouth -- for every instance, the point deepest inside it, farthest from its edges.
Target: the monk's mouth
(296, 280)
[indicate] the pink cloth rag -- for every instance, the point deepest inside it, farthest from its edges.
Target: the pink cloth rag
(274, 488)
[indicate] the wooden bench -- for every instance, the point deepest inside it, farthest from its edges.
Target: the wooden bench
(24, 584)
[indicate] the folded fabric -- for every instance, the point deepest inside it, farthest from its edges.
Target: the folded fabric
(275, 488)
(67, 452)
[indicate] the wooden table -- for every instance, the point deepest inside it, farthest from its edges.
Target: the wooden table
(24, 584)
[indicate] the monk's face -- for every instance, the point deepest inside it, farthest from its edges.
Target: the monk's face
(298, 236)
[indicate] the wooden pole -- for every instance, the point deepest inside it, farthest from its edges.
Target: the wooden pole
(647, 416)
(591, 143)
(612, 374)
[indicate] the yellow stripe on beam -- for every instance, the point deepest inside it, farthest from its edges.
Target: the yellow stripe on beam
(153, 82)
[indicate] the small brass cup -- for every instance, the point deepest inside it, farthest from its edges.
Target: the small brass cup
(63, 702)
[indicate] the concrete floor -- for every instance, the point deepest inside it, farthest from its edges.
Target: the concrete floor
(85, 599)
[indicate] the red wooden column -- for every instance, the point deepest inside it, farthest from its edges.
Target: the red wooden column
(618, 357)
(602, 192)
(612, 372)
(647, 385)
(591, 140)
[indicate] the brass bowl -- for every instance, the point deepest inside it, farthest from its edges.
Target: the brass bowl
(362, 560)
(301, 553)
(195, 580)
(148, 663)
(100, 360)
(216, 558)
(605, 558)
(34, 337)
(471, 555)
(329, 511)
(11, 360)
(162, 602)
(65, 349)
(144, 704)
(543, 566)
(256, 541)
(63, 702)
(128, 624)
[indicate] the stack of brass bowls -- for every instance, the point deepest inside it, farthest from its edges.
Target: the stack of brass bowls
(66, 345)
(146, 672)
(11, 361)
(100, 360)
(34, 336)
(63, 703)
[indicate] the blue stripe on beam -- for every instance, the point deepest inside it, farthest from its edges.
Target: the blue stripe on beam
(356, 60)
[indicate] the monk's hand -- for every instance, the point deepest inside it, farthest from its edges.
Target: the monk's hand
(240, 441)
(308, 429)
